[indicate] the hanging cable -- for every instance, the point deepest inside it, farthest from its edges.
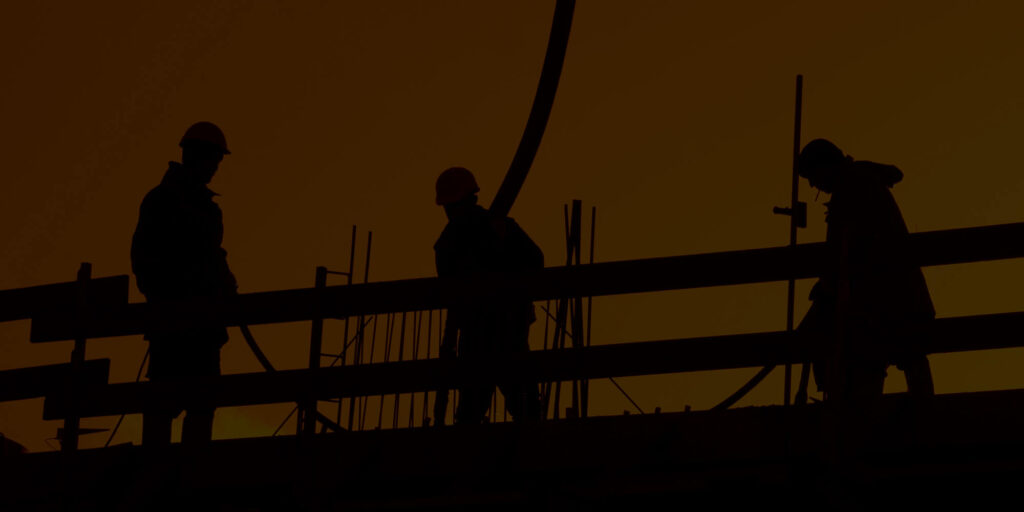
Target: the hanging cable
(138, 376)
(740, 393)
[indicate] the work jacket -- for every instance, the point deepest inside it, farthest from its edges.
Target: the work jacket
(868, 252)
(176, 250)
(478, 244)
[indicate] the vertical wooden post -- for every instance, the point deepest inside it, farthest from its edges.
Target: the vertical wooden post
(69, 442)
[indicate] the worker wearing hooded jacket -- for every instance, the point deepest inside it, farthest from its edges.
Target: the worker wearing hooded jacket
(474, 243)
(176, 256)
(871, 294)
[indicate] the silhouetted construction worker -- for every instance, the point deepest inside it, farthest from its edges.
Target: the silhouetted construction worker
(177, 256)
(872, 296)
(475, 243)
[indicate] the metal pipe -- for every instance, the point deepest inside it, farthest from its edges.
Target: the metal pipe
(576, 303)
(794, 223)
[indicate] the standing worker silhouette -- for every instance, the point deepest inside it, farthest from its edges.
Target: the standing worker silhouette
(870, 280)
(475, 243)
(176, 256)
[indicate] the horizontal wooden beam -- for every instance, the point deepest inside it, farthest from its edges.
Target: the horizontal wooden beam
(620, 277)
(24, 383)
(22, 303)
(618, 360)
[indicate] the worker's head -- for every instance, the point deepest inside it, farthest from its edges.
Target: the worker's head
(202, 148)
(456, 190)
(820, 162)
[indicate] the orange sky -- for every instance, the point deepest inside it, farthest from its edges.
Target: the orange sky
(674, 119)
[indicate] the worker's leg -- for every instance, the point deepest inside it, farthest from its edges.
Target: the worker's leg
(156, 428)
(522, 400)
(865, 380)
(156, 420)
(919, 376)
(204, 362)
(474, 400)
(197, 427)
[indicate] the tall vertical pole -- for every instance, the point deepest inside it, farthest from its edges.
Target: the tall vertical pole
(590, 309)
(69, 443)
(344, 339)
(362, 324)
(576, 228)
(308, 416)
(797, 218)
(560, 315)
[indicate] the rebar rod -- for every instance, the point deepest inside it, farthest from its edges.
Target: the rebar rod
(417, 320)
(388, 333)
(401, 357)
(430, 336)
(366, 401)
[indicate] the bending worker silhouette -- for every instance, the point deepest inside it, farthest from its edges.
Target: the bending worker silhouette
(177, 256)
(475, 243)
(871, 296)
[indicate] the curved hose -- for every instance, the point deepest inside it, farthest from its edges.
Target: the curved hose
(550, 73)
(740, 393)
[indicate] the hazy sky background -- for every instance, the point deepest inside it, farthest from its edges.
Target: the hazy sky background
(673, 118)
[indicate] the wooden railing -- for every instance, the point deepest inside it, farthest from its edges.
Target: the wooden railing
(58, 313)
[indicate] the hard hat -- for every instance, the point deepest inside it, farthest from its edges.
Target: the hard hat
(816, 154)
(205, 132)
(454, 185)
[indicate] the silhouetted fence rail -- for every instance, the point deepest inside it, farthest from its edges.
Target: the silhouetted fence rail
(956, 334)
(613, 278)
(38, 381)
(99, 308)
(22, 303)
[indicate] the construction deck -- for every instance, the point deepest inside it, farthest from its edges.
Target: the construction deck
(960, 447)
